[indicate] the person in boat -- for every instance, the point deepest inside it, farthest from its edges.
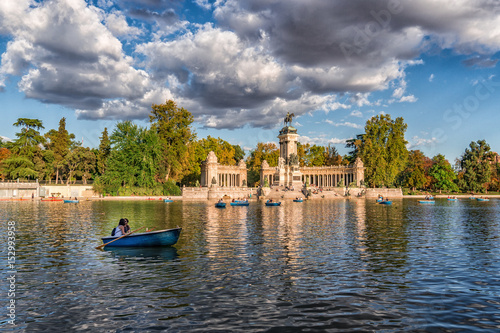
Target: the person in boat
(120, 230)
(220, 200)
(127, 226)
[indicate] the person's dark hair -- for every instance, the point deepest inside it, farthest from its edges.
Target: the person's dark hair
(122, 222)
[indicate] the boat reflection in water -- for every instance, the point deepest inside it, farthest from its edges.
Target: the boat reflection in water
(163, 252)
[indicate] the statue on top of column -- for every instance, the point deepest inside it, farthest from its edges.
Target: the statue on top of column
(288, 119)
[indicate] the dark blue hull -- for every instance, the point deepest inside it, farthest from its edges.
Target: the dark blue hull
(273, 203)
(71, 201)
(385, 203)
(146, 239)
(239, 203)
(298, 200)
(220, 205)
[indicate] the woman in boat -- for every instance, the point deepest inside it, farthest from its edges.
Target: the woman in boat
(120, 229)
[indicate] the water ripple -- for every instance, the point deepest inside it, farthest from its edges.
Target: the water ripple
(319, 266)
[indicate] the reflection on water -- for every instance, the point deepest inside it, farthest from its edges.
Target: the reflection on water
(319, 266)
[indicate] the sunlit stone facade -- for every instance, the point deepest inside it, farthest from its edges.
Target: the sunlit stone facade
(214, 174)
(289, 173)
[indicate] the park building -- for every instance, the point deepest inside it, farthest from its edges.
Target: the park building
(287, 173)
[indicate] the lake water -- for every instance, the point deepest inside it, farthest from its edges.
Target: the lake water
(317, 266)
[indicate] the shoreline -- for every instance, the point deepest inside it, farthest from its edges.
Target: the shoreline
(254, 198)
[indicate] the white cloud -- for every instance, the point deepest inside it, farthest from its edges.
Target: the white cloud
(408, 99)
(257, 63)
(117, 23)
(66, 56)
(417, 142)
(321, 141)
(356, 113)
(345, 124)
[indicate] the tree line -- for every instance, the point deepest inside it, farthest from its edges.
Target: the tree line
(166, 155)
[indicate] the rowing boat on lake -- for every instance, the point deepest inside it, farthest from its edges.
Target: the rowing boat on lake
(427, 202)
(165, 237)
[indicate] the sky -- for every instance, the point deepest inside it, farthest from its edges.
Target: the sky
(240, 66)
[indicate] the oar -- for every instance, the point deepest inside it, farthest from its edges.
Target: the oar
(100, 247)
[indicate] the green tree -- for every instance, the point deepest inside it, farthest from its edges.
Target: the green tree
(239, 154)
(301, 153)
(24, 150)
(476, 167)
(355, 144)
(60, 142)
(383, 150)
(332, 156)
(72, 162)
(172, 124)
(315, 156)
(413, 175)
(103, 152)
(442, 175)
(264, 151)
(132, 166)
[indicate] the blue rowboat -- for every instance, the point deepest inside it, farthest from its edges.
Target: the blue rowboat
(145, 239)
(240, 203)
(482, 199)
(273, 203)
(387, 202)
(168, 200)
(298, 200)
(452, 199)
(472, 198)
(428, 202)
(220, 205)
(71, 201)
(380, 200)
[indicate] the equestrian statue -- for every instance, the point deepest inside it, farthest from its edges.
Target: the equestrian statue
(288, 119)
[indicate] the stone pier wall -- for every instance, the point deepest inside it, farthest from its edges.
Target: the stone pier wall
(385, 192)
(217, 192)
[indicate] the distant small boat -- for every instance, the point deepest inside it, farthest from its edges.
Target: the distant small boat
(168, 200)
(428, 202)
(483, 199)
(220, 205)
(165, 237)
(452, 199)
(273, 203)
(472, 198)
(240, 203)
(386, 202)
(380, 200)
(298, 200)
(71, 201)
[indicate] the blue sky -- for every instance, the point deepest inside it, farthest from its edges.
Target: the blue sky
(240, 66)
